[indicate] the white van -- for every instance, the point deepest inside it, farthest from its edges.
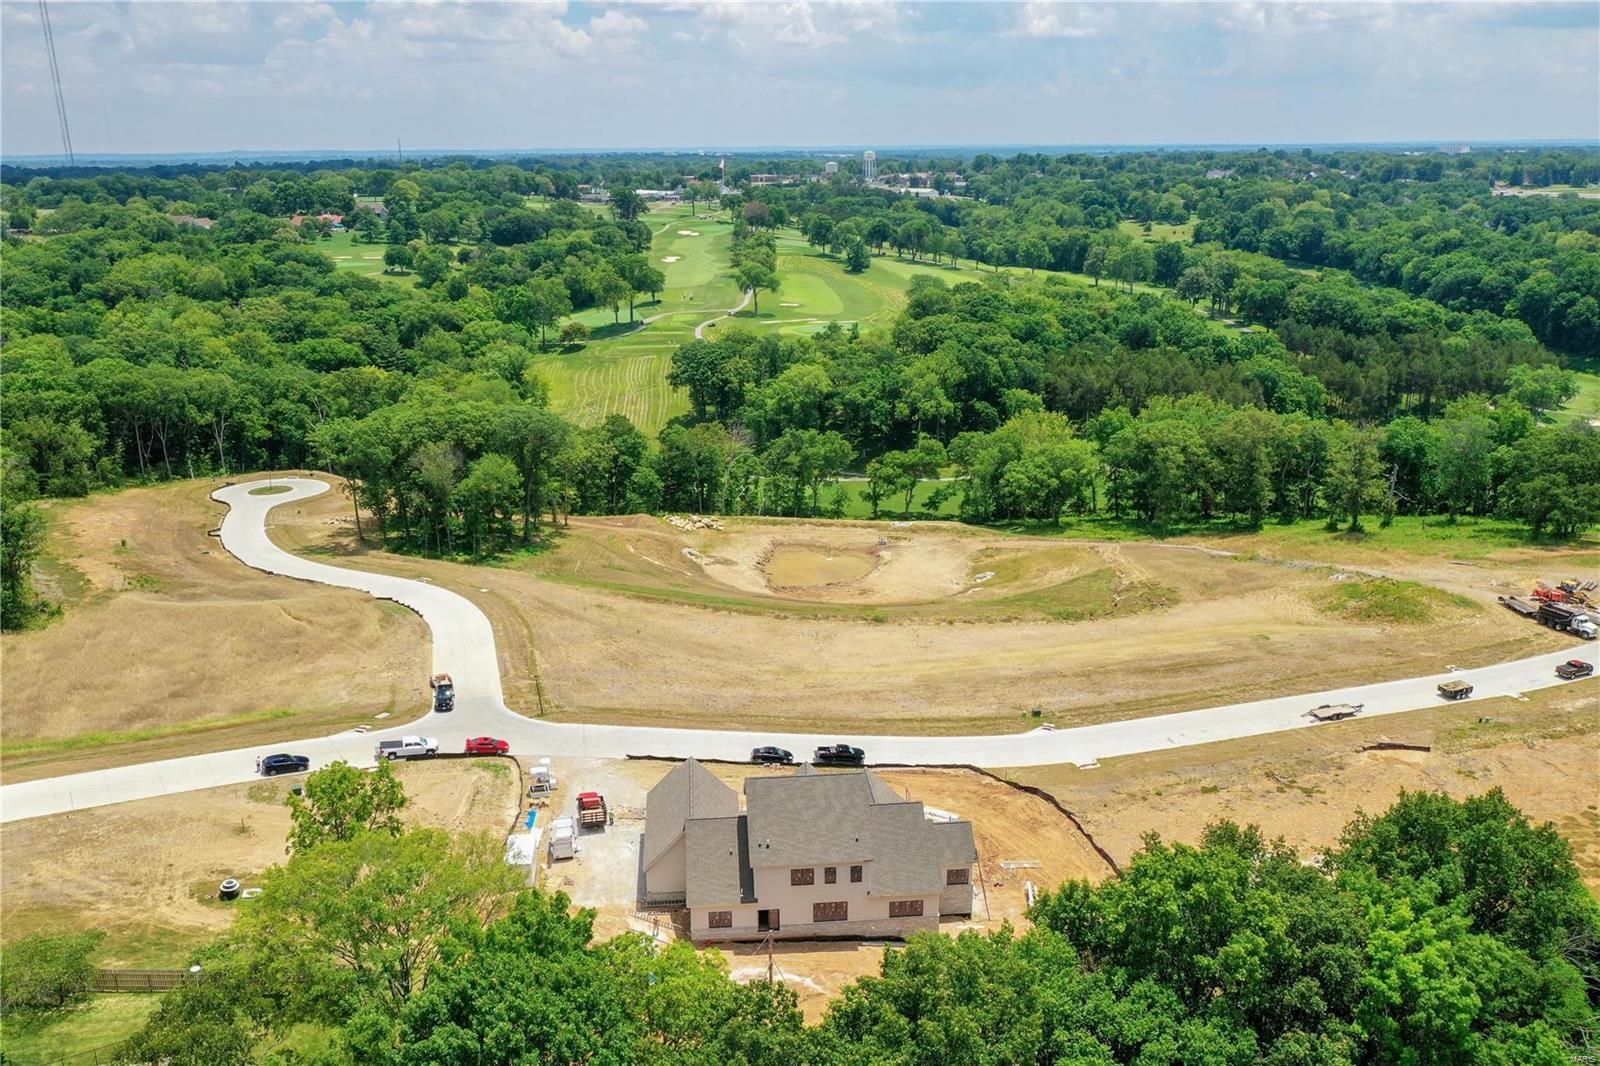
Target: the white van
(407, 747)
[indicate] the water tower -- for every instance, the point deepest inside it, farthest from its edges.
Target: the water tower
(869, 165)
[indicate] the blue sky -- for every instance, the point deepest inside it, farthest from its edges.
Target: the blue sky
(202, 77)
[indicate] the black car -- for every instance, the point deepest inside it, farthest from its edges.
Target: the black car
(444, 699)
(272, 765)
(1573, 669)
(839, 755)
(770, 754)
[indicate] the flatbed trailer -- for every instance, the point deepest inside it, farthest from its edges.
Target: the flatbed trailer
(591, 810)
(1520, 605)
(1334, 712)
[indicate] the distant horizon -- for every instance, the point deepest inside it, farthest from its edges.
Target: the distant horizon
(797, 150)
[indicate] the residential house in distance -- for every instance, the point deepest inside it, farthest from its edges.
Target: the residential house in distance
(196, 221)
(811, 855)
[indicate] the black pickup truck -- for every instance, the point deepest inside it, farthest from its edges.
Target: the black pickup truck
(839, 755)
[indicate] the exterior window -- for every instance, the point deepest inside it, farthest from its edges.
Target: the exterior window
(855, 875)
(958, 876)
(905, 908)
(830, 912)
(724, 919)
(803, 875)
(830, 875)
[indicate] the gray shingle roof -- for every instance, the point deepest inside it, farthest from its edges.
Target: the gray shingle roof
(717, 851)
(803, 819)
(688, 791)
(819, 819)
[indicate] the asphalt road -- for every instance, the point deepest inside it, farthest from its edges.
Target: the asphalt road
(463, 646)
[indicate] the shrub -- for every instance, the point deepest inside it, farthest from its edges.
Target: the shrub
(44, 972)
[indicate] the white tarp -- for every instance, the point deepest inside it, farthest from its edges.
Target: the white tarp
(522, 849)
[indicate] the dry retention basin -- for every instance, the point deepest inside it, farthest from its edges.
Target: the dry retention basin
(799, 566)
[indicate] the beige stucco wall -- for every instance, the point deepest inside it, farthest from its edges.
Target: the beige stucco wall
(897, 928)
(667, 875)
(868, 913)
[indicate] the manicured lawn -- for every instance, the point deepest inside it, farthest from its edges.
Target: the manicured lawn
(1585, 406)
(364, 259)
(858, 506)
(1183, 232)
(99, 1024)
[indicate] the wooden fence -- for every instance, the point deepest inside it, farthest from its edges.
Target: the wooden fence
(139, 980)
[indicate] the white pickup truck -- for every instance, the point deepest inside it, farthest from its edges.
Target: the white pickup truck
(407, 747)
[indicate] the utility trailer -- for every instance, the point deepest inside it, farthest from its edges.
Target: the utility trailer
(1520, 605)
(1334, 712)
(1455, 690)
(542, 780)
(591, 810)
(563, 839)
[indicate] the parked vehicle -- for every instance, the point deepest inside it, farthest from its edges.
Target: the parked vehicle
(1333, 712)
(1566, 618)
(591, 810)
(407, 747)
(272, 765)
(444, 693)
(487, 746)
(1455, 690)
(770, 754)
(563, 839)
(1573, 669)
(839, 755)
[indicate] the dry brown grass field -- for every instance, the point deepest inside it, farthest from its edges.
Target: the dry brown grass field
(166, 643)
(1305, 786)
(935, 627)
(169, 645)
(147, 872)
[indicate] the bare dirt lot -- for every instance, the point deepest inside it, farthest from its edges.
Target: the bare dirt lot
(949, 629)
(1307, 785)
(166, 642)
(147, 872)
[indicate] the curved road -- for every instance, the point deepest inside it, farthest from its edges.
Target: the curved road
(463, 646)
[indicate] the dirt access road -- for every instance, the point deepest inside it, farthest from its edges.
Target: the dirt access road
(464, 646)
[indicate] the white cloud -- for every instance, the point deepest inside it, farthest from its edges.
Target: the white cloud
(1043, 19)
(615, 23)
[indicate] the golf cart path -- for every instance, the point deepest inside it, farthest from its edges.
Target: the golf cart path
(464, 647)
(700, 330)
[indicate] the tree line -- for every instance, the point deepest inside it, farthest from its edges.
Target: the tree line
(1439, 931)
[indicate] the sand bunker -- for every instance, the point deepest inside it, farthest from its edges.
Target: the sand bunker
(671, 258)
(342, 257)
(788, 305)
(688, 233)
(807, 566)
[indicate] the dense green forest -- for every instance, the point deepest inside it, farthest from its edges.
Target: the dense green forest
(1306, 336)
(1439, 932)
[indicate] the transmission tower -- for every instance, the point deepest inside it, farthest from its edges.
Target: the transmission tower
(55, 78)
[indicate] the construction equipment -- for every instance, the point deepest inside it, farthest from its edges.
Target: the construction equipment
(591, 810)
(1334, 712)
(1455, 690)
(1564, 617)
